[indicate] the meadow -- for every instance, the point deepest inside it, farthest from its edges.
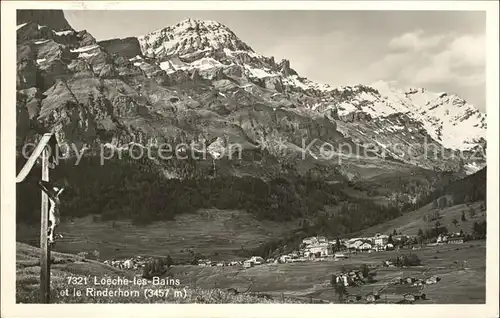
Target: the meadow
(461, 268)
(216, 234)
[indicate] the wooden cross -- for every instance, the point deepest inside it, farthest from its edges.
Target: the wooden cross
(45, 149)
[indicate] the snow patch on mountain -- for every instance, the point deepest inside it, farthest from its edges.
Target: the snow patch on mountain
(447, 118)
(62, 33)
(85, 48)
(21, 26)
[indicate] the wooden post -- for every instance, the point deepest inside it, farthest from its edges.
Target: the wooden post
(44, 246)
(42, 151)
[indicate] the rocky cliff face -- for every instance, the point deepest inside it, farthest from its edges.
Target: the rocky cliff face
(52, 19)
(197, 82)
(128, 47)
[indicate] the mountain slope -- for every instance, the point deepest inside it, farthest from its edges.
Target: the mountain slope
(197, 84)
(462, 196)
(206, 83)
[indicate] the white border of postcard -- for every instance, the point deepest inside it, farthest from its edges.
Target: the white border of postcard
(8, 269)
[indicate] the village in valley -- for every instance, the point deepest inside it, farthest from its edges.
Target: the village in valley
(319, 248)
(360, 269)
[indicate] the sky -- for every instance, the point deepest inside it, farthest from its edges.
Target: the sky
(443, 51)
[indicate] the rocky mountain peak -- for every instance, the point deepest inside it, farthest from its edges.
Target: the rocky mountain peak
(190, 36)
(53, 19)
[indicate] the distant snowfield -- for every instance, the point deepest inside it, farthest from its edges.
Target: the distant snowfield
(447, 118)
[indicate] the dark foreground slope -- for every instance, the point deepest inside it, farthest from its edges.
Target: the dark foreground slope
(71, 272)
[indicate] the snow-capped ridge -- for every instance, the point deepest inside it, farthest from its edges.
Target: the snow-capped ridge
(189, 36)
(194, 44)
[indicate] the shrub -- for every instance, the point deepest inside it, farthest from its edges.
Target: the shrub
(408, 260)
(364, 270)
(169, 262)
(153, 268)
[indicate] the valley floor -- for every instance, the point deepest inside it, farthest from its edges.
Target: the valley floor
(218, 235)
(459, 283)
(461, 268)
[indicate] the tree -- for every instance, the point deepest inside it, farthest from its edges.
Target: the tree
(420, 233)
(463, 217)
(436, 215)
(339, 288)
(153, 268)
(337, 244)
(472, 212)
(169, 262)
(467, 198)
(408, 260)
(454, 222)
(390, 239)
(479, 229)
(434, 204)
(394, 232)
(443, 202)
(364, 270)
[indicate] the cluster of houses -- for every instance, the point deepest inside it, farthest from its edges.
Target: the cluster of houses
(254, 260)
(450, 238)
(379, 242)
(207, 262)
(319, 246)
(129, 263)
(350, 278)
(416, 281)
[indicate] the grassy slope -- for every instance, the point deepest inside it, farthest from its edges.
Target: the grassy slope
(67, 265)
(410, 222)
(205, 232)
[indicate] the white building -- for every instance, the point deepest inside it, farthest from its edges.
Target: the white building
(322, 239)
(355, 244)
(310, 240)
(365, 247)
(389, 247)
(381, 240)
(322, 248)
(257, 260)
(442, 239)
(247, 264)
(284, 258)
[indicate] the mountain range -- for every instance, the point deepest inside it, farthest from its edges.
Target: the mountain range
(197, 83)
(198, 80)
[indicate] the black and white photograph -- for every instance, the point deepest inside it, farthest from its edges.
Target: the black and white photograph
(251, 156)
